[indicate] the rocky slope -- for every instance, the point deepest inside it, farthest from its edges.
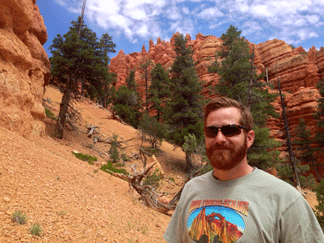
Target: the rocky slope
(72, 200)
(24, 67)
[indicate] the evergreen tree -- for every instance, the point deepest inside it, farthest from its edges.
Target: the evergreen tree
(305, 153)
(234, 67)
(184, 108)
(114, 152)
(145, 67)
(319, 116)
(130, 80)
(303, 157)
(320, 207)
(106, 46)
(76, 59)
(159, 90)
(127, 102)
(153, 129)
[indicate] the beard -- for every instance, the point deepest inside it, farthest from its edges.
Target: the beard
(228, 158)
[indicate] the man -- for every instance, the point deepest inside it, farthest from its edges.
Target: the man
(236, 202)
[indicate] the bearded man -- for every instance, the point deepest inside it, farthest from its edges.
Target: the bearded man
(237, 202)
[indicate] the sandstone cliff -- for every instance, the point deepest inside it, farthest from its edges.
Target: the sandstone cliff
(299, 71)
(24, 67)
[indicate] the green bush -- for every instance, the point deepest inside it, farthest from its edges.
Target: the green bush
(125, 157)
(110, 168)
(90, 159)
(50, 114)
(19, 217)
(35, 229)
(153, 179)
(320, 207)
(114, 153)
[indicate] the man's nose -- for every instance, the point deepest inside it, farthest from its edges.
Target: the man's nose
(220, 138)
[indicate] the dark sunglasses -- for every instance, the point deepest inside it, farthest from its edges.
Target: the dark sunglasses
(227, 130)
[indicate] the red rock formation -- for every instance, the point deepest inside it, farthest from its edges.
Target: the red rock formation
(299, 71)
(24, 67)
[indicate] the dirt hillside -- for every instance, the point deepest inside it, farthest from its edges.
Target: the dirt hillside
(72, 200)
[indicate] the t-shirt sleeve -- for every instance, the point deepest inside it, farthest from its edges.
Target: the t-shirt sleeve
(299, 224)
(176, 231)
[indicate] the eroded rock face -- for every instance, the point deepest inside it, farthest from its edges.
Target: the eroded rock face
(298, 71)
(295, 68)
(24, 67)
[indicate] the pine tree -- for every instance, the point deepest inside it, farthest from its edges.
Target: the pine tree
(145, 67)
(159, 90)
(76, 59)
(234, 67)
(184, 109)
(320, 207)
(319, 116)
(130, 80)
(152, 128)
(114, 152)
(127, 102)
(305, 153)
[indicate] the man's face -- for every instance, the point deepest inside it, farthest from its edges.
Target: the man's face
(225, 152)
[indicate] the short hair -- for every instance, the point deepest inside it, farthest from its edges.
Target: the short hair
(224, 102)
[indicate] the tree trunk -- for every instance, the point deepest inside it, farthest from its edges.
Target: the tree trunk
(189, 160)
(62, 114)
(291, 156)
(251, 82)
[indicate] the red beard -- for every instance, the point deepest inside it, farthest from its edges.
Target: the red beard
(227, 159)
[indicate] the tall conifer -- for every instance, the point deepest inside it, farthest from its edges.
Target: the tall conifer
(76, 59)
(233, 64)
(159, 90)
(184, 109)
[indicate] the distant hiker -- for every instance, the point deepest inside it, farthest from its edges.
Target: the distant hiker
(237, 202)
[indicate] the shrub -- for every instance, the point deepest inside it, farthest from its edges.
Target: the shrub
(124, 157)
(18, 217)
(153, 179)
(35, 229)
(85, 157)
(114, 153)
(50, 114)
(319, 212)
(109, 168)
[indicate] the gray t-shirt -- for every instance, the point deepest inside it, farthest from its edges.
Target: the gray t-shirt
(255, 208)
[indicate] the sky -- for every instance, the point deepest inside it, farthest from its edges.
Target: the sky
(132, 23)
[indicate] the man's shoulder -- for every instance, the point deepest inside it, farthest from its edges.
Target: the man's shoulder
(274, 184)
(200, 179)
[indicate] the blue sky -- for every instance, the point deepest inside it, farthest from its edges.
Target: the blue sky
(132, 23)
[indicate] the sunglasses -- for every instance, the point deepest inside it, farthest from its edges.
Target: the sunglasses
(227, 130)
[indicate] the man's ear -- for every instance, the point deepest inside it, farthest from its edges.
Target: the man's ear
(250, 138)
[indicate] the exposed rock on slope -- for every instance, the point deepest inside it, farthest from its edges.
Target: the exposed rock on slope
(24, 67)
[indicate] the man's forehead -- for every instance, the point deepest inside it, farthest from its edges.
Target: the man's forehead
(230, 114)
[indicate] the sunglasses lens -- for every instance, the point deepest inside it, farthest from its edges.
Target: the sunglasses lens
(231, 130)
(211, 132)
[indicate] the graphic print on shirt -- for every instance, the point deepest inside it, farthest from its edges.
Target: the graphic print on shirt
(216, 221)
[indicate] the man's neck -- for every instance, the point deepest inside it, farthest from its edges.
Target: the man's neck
(238, 171)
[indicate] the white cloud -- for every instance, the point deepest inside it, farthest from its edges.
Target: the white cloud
(293, 22)
(61, 2)
(210, 13)
(185, 10)
(143, 31)
(312, 19)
